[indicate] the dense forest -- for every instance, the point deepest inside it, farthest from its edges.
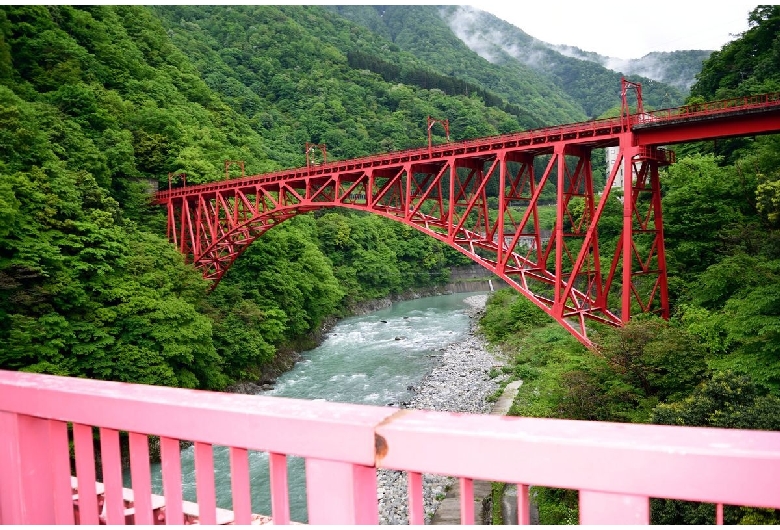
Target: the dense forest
(100, 103)
(716, 362)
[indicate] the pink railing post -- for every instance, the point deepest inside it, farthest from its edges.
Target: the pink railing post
(171, 475)
(466, 501)
(280, 499)
(59, 461)
(140, 475)
(32, 490)
(341, 493)
(112, 476)
(523, 505)
(611, 508)
(415, 500)
(204, 483)
(83, 442)
(240, 485)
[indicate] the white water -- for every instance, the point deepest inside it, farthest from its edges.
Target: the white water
(372, 359)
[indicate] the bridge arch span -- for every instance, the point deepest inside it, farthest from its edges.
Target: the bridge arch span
(486, 205)
(215, 260)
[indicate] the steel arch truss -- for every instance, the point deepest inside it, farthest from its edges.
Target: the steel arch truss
(494, 217)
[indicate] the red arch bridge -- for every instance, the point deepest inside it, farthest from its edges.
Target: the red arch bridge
(443, 191)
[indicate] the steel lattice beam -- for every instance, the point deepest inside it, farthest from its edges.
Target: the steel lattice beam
(561, 274)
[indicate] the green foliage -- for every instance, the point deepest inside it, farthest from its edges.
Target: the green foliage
(429, 80)
(703, 206)
(509, 313)
(656, 358)
(84, 296)
(497, 490)
(556, 506)
(726, 400)
(285, 270)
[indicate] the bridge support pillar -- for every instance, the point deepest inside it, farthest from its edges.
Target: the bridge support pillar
(628, 224)
(644, 285)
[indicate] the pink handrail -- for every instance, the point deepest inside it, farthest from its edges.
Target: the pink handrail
(616, 467)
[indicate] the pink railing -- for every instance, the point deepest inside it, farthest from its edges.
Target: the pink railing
(615, 467)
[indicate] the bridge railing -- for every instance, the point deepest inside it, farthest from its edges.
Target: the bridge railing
(415, 153)
(710, 108)
(615, 467)
(595, 127)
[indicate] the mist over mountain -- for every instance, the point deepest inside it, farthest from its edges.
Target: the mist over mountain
(678, 68)
(474, 45)
(492, 38)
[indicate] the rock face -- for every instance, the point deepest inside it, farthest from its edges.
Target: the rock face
(460, 383)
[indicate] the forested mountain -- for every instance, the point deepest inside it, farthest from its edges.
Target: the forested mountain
(470, 44)
(678, 69)
(287, 69)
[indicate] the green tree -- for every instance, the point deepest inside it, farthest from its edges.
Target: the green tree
(726, 400)
(703, 205)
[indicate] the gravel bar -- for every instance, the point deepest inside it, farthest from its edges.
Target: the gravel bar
(459, 383)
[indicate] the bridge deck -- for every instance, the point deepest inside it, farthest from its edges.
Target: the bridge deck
(759, 115)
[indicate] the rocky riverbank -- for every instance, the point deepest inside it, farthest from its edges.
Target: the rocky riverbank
(460, 382)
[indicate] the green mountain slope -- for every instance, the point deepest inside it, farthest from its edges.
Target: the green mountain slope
(472, 44)
(290, 68)
(423, 32)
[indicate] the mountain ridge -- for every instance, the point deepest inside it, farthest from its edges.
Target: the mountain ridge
(467, 43)
(686, 63)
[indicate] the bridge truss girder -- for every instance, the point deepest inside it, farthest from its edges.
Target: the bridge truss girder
(571, 273)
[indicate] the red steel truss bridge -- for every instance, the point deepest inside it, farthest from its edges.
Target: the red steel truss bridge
(483, 198)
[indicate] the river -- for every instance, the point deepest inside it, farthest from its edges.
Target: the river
(376, 359)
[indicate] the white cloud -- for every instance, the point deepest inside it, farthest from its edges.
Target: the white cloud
(625, 30)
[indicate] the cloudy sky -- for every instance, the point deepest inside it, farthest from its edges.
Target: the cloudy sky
(627, 30)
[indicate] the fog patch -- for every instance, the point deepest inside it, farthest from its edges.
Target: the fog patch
(466, 23)
(496, 41)
(482, 33)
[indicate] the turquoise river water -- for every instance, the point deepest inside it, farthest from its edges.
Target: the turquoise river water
(372, 359)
